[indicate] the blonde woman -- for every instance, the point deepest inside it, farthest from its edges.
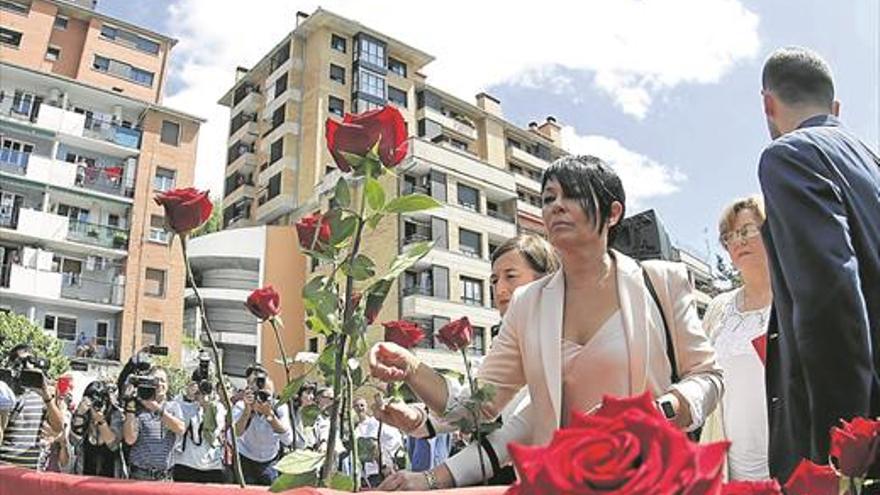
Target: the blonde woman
(733, 320)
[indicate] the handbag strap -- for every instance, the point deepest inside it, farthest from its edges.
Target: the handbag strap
(670, 350)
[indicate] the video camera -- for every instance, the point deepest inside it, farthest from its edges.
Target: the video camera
(202, 374)
(135, 373)
(25, 372)
(259, 386)
(99, 394)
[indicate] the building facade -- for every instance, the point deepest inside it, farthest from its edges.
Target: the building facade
(85, 144)
(484, 170)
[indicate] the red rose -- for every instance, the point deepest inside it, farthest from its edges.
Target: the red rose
(626, 447)
(457, 334)
(264, 303)
(760, 345)
(811, 479)
(769, 487)
(403, 333)
(854, 446)
(185, 209)
(308, 225)
(357, 134)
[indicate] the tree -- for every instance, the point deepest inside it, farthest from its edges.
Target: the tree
(214, 224)
(16, 329)
(728, 272)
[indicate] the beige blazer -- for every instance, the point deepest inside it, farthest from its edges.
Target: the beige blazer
(528, 352)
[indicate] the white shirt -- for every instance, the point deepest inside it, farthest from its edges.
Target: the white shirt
(259, 442)
(744, 403)
(194, 451)
(391, 442)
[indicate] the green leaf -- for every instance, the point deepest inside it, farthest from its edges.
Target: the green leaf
(300, 461)
(375, 194)
(286, 482)
(374, 219)
(356, 325)
(341, 193)
(314, 286)
(367, 450)
(310, 414)
(362, 268)
(327, 362)
(412, 254)
(342, 482)
(354, 160)
(376, 295)
(291, 389)
(411, 203)
(341, 230)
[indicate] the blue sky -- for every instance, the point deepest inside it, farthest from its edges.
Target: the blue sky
(670, 89)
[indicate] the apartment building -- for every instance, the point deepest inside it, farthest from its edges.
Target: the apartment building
(484, 170)
(84, 145)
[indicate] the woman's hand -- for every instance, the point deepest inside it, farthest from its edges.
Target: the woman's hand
(404, 481)
(398, 414)
(390, 362)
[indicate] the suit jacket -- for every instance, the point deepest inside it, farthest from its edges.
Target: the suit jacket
(528, 352)
(821, 187)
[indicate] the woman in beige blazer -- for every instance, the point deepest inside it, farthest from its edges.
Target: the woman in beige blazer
(546, 341)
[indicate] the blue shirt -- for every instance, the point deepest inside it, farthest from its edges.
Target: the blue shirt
(152, 449)
(259, 442)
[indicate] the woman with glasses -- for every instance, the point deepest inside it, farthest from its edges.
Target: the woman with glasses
(732, 322)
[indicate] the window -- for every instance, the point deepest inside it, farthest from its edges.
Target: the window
(472, 291)
(461, 145)
(278, 117)
(170, 133)
(14, 152)
(73, 213)
(129, 39)
(396, 66)
(337, 73)
(276, 151)
(102, 334)
(157, 229)
(123, 70)
(151, 333)
(478, 345)
(70, 270)
(9, 37)
(280, 56)
(274, 188)
(14, 7)
(470, 243)
(53, 53)
(280, 85)
(468, 197)
(336, 106)
(140, 76)
(60, 22)
(101, 63)
(361, 106)
(64, 327)
(154, 283)
(397, 96)
(371, 83)
(313, 344)
(338, 43)
(113, 220)
(164, 179)
(370, 51)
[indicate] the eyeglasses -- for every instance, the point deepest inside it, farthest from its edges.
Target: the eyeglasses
(747, 232)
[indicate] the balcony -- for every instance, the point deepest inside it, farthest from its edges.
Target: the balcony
(526, 158)
(526, 207)
(113, 133)
(97, 235)
(36, 224)
(14, 162)
(417, 305)
(457, 125)
(106, 180)
(77, 125)
(106, 288)
(245, 162)
(497, 184)
(245, 128)
(247, 98)
(527, 182)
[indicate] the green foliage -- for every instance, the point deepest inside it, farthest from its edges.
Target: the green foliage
(214, 223)
(342, 482)
(17, 329)
(411, 203)
(299, 468)
(375, 194)
(178, 378)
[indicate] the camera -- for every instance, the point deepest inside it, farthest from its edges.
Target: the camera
(146, 386)
(260, 380)
(202, 374)
(263, 396)
(26, 372)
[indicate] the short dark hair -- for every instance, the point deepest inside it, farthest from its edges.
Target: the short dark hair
(798, 76)
(593, 183)
(253, 368)
(537, 252)
(12, 355)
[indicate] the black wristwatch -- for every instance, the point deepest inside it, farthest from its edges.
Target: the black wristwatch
(665, 406)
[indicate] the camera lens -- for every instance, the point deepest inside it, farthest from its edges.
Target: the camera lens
(205, 387)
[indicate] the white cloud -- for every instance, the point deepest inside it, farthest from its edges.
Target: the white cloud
(629, 49)
(643, 178)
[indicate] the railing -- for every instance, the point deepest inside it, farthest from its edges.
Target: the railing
(240, 120)
(96, 286)
(410, 189)
(112, 132)
(97, 235)
(500, 216)
(14, 162)
(242, 92)
(107, 180)
(417, 237)
(417, 290)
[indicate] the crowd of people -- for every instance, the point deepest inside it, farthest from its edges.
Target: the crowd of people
(581, 320)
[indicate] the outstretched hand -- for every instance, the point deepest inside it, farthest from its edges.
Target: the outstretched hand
(390, 362)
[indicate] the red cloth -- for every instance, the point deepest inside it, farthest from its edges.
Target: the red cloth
(20, 481)
(760, 345)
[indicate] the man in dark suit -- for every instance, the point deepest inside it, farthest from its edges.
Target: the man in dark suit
(821, 186)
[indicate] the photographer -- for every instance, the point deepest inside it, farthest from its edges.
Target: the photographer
(25, 440)
(96, 431)
(304, 436)
(151, 426)
(263, 425)
(199, 456)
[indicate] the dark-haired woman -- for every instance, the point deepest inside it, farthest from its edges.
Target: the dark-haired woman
(591, 329)
(96, 432)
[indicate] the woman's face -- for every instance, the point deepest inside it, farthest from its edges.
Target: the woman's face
(744, 243)
(509, 271)
(566, 222)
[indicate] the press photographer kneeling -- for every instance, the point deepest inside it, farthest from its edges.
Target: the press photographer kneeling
(199, 456)
(34, 407)
(151, 424)
(96, 430)
(263, 425)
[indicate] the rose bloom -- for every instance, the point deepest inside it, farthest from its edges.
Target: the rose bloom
(264, 303)
(626, 447)
(457, 334)
(185, 209)
(403, 333)
(809, 478)
(308, 225)
(358, 134)
(854, 446)
(768, 487)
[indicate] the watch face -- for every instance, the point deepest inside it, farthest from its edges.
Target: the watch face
(667, 409)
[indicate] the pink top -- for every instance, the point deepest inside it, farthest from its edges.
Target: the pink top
(599, 367)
